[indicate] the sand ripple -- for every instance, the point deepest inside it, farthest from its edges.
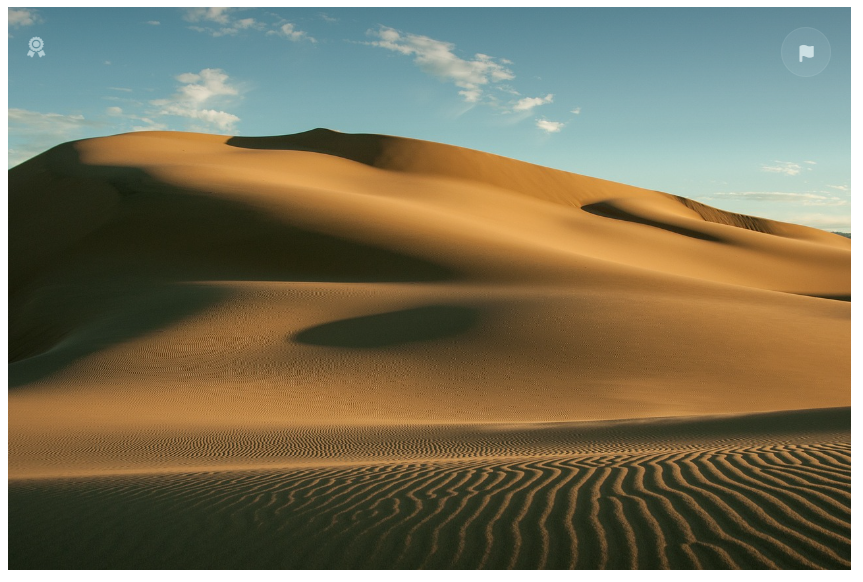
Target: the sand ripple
(716, 503)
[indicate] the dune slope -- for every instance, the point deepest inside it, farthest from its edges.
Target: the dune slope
(332, 309)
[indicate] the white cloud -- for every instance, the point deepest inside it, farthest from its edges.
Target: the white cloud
(217, 15)
(801, 198)
(471, 95)
(787, 168)
(287, 30)
(123, 89)
(529, 103)
(23, 17)
(229, 26)
(437, 58)
(223, 22)
(844, 188)
(153, 22)
(221, 119)
(197, 91)
(33, 132)
(810, 162)
(577, 111)
(549, 126)
(114, 111)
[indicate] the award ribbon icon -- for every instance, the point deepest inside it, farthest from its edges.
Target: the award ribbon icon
(36, 47)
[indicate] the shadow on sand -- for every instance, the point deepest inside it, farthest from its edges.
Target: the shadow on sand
(393, 328)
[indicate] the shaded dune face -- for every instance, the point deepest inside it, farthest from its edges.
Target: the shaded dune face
(401, 353)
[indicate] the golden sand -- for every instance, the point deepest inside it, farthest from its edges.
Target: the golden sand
(431, 356)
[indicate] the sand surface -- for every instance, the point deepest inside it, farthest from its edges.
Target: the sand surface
(336, 350)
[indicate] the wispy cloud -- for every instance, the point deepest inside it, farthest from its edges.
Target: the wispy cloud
(576, 111)
(289, 31)
(801, 198)
(549, 126)
(528, 103)
(843, 188)
(220, 21)
(787, 168)
(153, 23)
(473, 76)
(505, 88)
(123, 89)
(32, 132)
(437, 58)
(36, 121)
(23, 17)
(197, 98)
(217, 15)
(225, 22)
(138, 122)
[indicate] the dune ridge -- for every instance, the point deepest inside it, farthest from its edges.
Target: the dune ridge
(428, 355)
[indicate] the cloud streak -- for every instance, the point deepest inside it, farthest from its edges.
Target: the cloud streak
(801, 198)
(528, 103)
(32, 132)
(437, 58)
(291, 33)
(227, 25)
(217, 15)
(787, 168)
(222, 22)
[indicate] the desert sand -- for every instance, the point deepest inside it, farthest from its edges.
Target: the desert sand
(339, 350)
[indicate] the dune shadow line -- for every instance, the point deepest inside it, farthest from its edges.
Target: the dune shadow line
(365, 149)
(607, 210)
(381, 330)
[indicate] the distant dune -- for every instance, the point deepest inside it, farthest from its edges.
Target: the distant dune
(428, 355)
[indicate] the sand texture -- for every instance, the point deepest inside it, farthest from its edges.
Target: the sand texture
(349, 351)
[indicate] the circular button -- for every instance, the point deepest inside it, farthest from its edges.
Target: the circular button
(806, 52)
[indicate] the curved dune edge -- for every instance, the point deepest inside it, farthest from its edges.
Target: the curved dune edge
(762, 491)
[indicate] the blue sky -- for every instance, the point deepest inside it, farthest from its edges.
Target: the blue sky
(695, 102)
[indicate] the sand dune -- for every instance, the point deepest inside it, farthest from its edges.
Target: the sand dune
(247, 330)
